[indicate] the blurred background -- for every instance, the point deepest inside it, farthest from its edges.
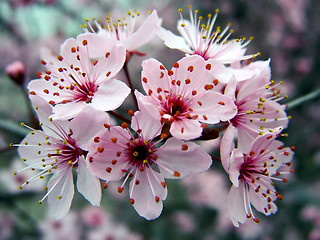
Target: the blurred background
(287, 31)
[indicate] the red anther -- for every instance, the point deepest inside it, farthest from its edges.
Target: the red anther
(144, 79)
(187, 81)
(221, 103)
(208, 66)
(96, 139)
(100, 149)
(120, 189)
(43, 62)
(114, 162)
(137, 182)
(106, 125)
(124, 125)
(131, 201)
(293, 148)
(190, 68)
(256, 220)
(176, 174)
(105, 185)
(130, 112)
(176, 65)
(107, 54)
(156, 198)
(170, 72)
(73, 49)
(108, 169)
(114, 140)
(60, 58)
(90, 159)
(32, 93)
(150, 92)
(162, 67)
(208, 86)
(164, 185)
(184, 147)
(46, 91)
(215, 82)
(194, 92)
(84, 42)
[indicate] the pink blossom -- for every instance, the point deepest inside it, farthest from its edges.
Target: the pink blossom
(116, 153)
(184, 96)
(199, 37)
(57, 149)
(124, 30)
(63, 229)
(252, 173)
(82, 75)
(258, 109)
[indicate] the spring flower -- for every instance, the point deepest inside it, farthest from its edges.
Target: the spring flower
(184, 96)
(57, 149)
(258, 109)
(252, 173)
(116, 153)
(124, 30)
(199, 37)
(82, 75)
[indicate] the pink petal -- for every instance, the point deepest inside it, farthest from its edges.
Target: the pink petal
(236, 209)
(226, 146)
(110, 95)
(68, 110)
(145, 32)
(173, 41)
(182, 157)
(236, 161)
(215, 107)
(186, 129)
(83, 128)
(60, 207)
(148, 194)
(87, 184)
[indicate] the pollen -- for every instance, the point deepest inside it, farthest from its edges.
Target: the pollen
(176, 174)
(184, 147)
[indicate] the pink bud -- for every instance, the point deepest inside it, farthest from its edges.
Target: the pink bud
(16, 71)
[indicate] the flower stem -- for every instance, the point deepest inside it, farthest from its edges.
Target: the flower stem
(296, 102)
(125, 69)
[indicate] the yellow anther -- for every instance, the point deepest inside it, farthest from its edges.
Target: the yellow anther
(22, 124)
(70, 163)
(86, 19)
(217, 10)
(180, 10)
(145, 161)
(59, 197)
(15, 173)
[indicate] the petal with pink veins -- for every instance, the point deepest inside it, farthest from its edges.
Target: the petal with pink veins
(186, 129)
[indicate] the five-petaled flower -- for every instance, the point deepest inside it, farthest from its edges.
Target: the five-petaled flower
(252, 173)
(184, 96)
(57, 149)
(116, 153)
(82, 75)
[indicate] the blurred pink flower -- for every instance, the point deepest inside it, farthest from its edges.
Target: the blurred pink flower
(183, 221)
(59, 148)
(63, 229)
(115, 153)
(94, 216)
(83, 75)
(251, 173)
(202, 39)
(184, 96)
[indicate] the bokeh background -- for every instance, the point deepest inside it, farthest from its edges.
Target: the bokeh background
(287, 31)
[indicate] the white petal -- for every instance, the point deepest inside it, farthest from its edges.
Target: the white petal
(236, 209)
(87, 184)
(60, 207)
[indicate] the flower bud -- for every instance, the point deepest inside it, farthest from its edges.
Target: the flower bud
(16, 71)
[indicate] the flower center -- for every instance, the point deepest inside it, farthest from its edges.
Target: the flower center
(175, 106)
(140, 153)
(85, 92)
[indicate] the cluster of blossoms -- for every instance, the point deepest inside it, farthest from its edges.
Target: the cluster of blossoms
(215, 88)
